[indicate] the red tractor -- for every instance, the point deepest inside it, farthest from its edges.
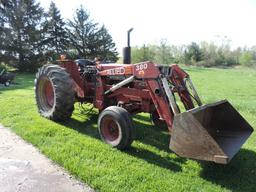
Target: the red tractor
(212, 132)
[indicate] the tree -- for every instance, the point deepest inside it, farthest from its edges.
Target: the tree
(213, 54)
(163, 53)
(56, 37)
(5, 41)
(22, 32)
(225, 55)
(208, 54)
(144, 53)
(81, 32)
(88, 40)
(246, 58)
(178, 53)
(193, 53)
(2, 33)
(104, 46)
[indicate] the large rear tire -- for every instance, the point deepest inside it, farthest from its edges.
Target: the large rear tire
(116, 127)
(54, 93)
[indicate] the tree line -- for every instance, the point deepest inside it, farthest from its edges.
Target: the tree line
(31, 36)
(207, 54)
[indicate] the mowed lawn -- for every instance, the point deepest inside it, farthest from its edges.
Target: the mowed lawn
(148, 165)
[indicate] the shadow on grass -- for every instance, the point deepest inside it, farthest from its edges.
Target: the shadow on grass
(239, 175)
(87, 127)
(150, 134)
(152, 158)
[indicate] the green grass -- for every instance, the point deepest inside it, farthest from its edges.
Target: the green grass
(148, 165)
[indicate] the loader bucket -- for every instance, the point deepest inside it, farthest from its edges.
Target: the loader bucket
(213, 132)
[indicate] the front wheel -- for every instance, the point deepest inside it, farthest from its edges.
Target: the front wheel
(116, 127)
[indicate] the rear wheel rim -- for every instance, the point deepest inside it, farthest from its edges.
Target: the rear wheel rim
(45, 94)
(49, 93)
(110, 129)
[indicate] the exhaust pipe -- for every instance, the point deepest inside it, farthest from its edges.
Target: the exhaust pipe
(127, 50)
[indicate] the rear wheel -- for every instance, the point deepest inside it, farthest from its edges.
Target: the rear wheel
(116, 127)
(54, 94)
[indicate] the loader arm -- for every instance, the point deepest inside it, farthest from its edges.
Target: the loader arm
(158, 84)
(211, 132)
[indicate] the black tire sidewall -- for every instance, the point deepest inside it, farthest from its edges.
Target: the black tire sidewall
(124, 122)
(64, 95)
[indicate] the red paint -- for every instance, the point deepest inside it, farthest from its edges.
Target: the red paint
(138, 96)
(110, 129)
(78, 83)
(49, 93)
(161, 104)
(146, 70)
(177, 78)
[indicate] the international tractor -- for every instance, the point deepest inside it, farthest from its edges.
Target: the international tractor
(211, 132)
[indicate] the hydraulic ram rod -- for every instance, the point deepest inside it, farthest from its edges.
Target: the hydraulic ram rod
(170, 96)
(119, 85)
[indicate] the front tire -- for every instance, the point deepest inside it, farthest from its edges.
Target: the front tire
(54, 93)
(116, 127)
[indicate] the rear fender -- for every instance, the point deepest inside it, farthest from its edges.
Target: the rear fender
(78, 83)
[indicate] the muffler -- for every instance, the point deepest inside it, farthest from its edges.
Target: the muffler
(212, 132)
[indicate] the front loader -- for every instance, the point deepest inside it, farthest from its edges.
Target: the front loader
(212, 132)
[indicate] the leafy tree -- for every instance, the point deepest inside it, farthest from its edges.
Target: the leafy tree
(163, 53)
(56, 37)
(246, 58)
(104, 46)
(253, 51)
(81, 32)
(225, 55)
(193, 53)
(5, 43)
(144, 53)
(88, 40)
(216, 55)
(178, 53)
(208, 54)
(21, 32)
(2, 34)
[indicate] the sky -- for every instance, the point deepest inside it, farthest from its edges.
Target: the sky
(177, 21)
